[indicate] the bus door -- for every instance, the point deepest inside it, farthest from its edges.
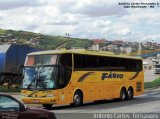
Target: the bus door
(62, 96)
(98, 91)
(64, 78)
(107, 89)
(65, 71)
(92, 92)
(110, 89)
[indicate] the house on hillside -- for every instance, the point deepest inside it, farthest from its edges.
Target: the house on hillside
(126, 50)
(95, 44)
(35, 40)
(118, 43)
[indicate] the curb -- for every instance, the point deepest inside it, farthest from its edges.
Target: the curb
(150, 89)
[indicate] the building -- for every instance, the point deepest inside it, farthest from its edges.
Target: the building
(95, 44)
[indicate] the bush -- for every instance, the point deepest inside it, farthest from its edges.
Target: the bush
(10, 89)
(152, 84)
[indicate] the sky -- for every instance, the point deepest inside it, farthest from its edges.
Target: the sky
(92, 19)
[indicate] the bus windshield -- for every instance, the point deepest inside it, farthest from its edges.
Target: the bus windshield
(41, 77)
(41, 60)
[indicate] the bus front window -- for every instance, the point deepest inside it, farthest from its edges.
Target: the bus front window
(43, 77)
(41, 60)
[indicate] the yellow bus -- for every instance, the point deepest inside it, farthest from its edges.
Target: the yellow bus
(78, 76)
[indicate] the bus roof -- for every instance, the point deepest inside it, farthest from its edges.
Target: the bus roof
(82, 51)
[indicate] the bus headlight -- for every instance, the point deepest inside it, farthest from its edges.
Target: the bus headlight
(25, 95)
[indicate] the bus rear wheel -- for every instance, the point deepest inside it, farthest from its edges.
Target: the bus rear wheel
(77, 99)
(123, 94)
(130, 94)
(47, 106)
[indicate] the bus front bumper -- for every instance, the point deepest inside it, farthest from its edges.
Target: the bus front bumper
(48, 100)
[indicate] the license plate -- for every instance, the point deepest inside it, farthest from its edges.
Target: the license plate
(35, 100)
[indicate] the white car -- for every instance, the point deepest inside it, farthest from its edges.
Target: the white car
(157, 69)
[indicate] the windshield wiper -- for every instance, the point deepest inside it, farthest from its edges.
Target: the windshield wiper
(32, 82)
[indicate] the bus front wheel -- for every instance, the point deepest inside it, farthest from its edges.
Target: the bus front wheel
(77, 99)
(47, 106)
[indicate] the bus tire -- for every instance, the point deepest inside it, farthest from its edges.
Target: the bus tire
(123, 94)
(130, 93)
(77, 99)
(47, 106)
(8, 80)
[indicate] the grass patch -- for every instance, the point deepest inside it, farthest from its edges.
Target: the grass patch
(11, 89)
(152, 84)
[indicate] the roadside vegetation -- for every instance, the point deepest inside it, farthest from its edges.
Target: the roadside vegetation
(153, 84)
(46, 42)
(4, 89)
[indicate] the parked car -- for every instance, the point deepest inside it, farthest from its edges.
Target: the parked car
(157, 68)
(11, 108)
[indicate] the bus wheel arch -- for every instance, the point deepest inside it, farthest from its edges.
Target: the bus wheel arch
(130, 93)
(8, 80)
(77, 98)
(123, 94)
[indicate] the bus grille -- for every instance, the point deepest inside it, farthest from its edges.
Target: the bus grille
(139, 87)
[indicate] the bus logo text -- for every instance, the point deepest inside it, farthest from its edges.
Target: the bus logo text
(111, 75)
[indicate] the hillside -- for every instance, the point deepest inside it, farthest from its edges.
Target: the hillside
(40, 40)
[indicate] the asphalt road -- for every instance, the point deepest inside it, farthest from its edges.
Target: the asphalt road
(149, 102)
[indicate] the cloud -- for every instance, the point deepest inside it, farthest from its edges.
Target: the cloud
(81, 18)
(124, 32)
(103, 10)
(153, 37)
(13, 4)
(116, 31)
(102, 23)
(67, 19)
(92, 8)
